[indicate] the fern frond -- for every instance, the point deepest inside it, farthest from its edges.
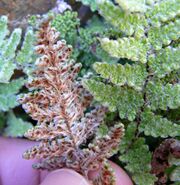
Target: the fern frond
(164, 62)
(8, 49)
(127, 23)
(163, 96)
(138, 159)
(58, 101)
(127, 101)
(24, 56)
(130, 48)
(164, 11)
(8, 93)
(133, 5)
(4, 28)
(157, 126)
(16, 127)
(132, 75)
(164, 35)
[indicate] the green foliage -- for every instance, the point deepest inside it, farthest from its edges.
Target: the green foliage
(8, 93)
(8, 47)
(15, 54)
(137, 157)
(24, 56)
(163, 96)
(144, 87)
(157, 126)
(127, 47)
(67, 24)
(165, 61)
(127, 101)
(3, 27)
(164, 11)
(163, 36)
(7, 51)
(84, 39)
(133, 5)
(132, 75)
(91, 3)
(16, 126)
(127, 23)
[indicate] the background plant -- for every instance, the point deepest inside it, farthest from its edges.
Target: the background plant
(11, 60)
(144, 89)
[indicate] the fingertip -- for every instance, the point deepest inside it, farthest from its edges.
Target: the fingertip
(64, 176)
(122, 177)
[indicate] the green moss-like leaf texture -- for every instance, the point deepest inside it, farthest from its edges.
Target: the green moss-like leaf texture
(16, 126)
(130, 48)
(127, 101)
(157, 126)
(132, 75)
(8, 94)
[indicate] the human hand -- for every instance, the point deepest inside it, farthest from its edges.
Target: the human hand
(17, 171)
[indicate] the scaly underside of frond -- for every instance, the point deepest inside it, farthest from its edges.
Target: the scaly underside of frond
(58, 101)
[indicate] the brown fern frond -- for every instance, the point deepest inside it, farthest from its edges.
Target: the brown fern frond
(58, 101)
(160, 159)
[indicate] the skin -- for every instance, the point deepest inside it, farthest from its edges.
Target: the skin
(17, 171)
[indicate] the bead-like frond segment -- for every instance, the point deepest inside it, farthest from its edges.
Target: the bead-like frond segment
(126, 100)
(127, 47)
(164, 35)
(157, 126)
(127, 23)
(163, 96)
(130, 75)
(165, 61)
(164, 11)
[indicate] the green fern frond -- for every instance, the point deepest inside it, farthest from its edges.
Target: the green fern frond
(7, 51)
(67, 24)
(144, 86)
(164, 11)
(130, 48)
(126, 100)
(16, 127)
(3, 28)
(157, 126)
(163, 36)
(131, 75)
(24, 56)
(163, 96)
(8, 93)
(133, 5)
(164, 62)
(9, 48)
(127, 23)
(137, 159)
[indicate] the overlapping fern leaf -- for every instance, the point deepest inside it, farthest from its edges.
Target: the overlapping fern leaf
(146, 90)
(58, 102)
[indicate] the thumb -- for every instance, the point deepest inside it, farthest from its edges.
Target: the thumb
(64, 177)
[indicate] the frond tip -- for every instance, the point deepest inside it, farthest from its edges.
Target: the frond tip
(58, 101)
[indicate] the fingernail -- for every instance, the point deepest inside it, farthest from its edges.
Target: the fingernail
(64, 177)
